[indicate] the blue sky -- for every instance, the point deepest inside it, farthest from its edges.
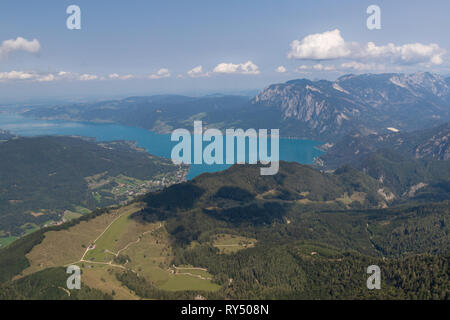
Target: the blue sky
(147, 47)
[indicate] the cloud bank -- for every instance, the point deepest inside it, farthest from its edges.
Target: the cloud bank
(19, 44)
(330, 45)
(162, 73)
(241, 68)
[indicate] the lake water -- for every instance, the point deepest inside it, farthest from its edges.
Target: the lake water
(302, 151)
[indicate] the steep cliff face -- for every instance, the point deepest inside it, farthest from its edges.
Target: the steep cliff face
(437, 146)
(319, 106)
(366, 103)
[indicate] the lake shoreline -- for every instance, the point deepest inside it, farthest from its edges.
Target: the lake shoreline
(296, 149)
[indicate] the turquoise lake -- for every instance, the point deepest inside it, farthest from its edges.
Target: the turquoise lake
(302, 151)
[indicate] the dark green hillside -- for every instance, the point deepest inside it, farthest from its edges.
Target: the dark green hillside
(404, 230)
(42, 177)
(49, 284)
(240, 196)
(315, 271)
(312, 248)
(314, 235)
(342, 209)
(409, 178)
(244, 183)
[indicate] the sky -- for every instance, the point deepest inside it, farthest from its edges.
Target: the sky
(202, 47)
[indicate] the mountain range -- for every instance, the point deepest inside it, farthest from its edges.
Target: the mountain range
(322, 110)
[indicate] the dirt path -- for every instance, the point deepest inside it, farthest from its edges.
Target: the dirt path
(110, 263)
(89, 247)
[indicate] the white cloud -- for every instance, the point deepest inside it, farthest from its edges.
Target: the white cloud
(411, 53)
(87, 77)
(331, 45)
(46, 76)
(19, 44)
(197, 72)
(281, 69)
(116, 76)
(320, 46)
(358, 66)
(162, 73)
(241, 68)
(25, 75)
(16, 75)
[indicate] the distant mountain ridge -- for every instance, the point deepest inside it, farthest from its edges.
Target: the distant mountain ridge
(432, 144)
(322, 110)
(368, 103)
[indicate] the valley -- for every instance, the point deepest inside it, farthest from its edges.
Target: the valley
(140, 227)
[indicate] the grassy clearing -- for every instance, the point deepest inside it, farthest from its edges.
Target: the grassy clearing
(315, 250)
(229, 243)
(192, 270)
(66, 246)
(70, 215)
(7, 240)
(356, 196)
(113, 239)
(187, 282)
(151, 256)
(82, 210)
(151, 259)
(103, 277)
(62, 247)
(146, 248)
